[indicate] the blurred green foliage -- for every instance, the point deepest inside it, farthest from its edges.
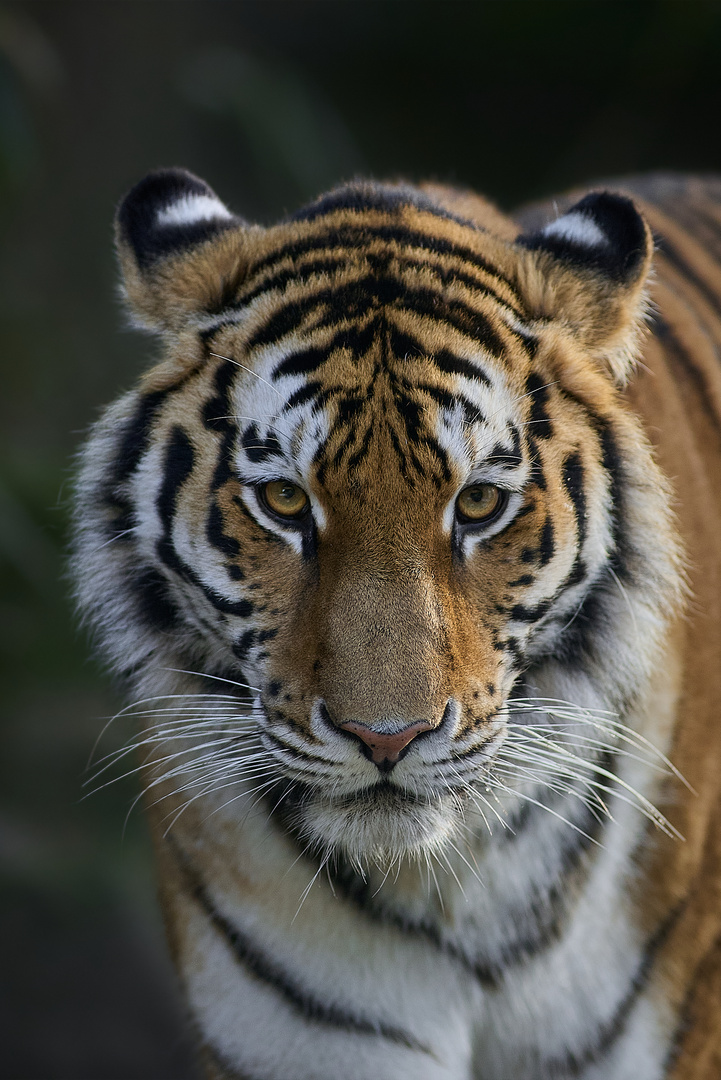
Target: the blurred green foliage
(271, 102)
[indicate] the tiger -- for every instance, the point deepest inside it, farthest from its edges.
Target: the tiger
(406, 555)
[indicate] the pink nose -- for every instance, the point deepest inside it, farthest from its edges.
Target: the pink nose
(385, 747)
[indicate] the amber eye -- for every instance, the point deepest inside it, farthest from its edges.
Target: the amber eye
(479, 502)
(285, 498)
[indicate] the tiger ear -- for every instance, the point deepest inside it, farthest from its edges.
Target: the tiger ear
(589, 270)
(181, 250)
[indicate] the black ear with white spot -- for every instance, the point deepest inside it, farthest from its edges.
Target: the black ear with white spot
(603, 232)
(587, 272)
(169, 211)
(181, 250)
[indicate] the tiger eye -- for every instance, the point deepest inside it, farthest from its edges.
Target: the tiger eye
(479, 502)
(285, 498)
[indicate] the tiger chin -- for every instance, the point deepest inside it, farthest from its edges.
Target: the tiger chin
(406, 552)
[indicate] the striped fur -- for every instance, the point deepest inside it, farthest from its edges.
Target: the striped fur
(527, 889)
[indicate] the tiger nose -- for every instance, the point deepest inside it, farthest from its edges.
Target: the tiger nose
(383, 750)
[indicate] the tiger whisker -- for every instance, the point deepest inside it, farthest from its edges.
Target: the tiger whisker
(217, 678)
(590, 799)
(249, 370)
(461, 856)
(554, 813)
(309, 886)
(201, 794)
(230, 735)
(156, 761)
(117, 536)
(131, 709)
(597, 718)
(564, 757)
(430, 855)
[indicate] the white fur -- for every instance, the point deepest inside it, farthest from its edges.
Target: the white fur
(191, 209)
(578, 229)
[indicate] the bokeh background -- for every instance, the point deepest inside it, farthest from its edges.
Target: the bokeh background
(270, 102)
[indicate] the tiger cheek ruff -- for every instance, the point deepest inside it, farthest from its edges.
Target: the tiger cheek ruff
(399, 590)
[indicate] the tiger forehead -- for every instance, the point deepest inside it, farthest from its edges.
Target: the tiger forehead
(367, 416)
(379, 340)
(382, 240)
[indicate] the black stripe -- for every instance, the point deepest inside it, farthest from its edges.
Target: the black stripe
(574, 483)
(170, 558)
(330, 266)
(672, 255)
(449, 400)
(402, 344)
(684, 1023)
(137, 434)
(434, 447)
(537, 475)
(274, 715)
(267, 970)
(306, 361)
(681, 359)
(257, 449)
(350, 237)
(216, 535)
(348, 408)
(356, 458)
(574, 1064)
(241, 647)
(621, 554)
(400, 453)
(452, 276)
(311, 391)
(364, 196)
(521, 613)
(291, 275)
(537, 391)
(178, 465)
(216, 417)
(547, 543)
(548, 919)
(360, 298)
(155, 606)
(133, 444)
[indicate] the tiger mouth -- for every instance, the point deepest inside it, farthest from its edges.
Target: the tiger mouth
(378, 823)
(381, 795)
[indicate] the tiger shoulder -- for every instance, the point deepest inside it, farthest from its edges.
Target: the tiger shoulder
(407, 552)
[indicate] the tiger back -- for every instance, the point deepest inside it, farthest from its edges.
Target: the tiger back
(407, 550)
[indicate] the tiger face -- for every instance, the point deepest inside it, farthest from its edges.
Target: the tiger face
(383, 477)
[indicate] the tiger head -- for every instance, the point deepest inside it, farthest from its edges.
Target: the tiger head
(385, 476)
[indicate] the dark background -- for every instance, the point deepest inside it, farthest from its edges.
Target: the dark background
(271, 103)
